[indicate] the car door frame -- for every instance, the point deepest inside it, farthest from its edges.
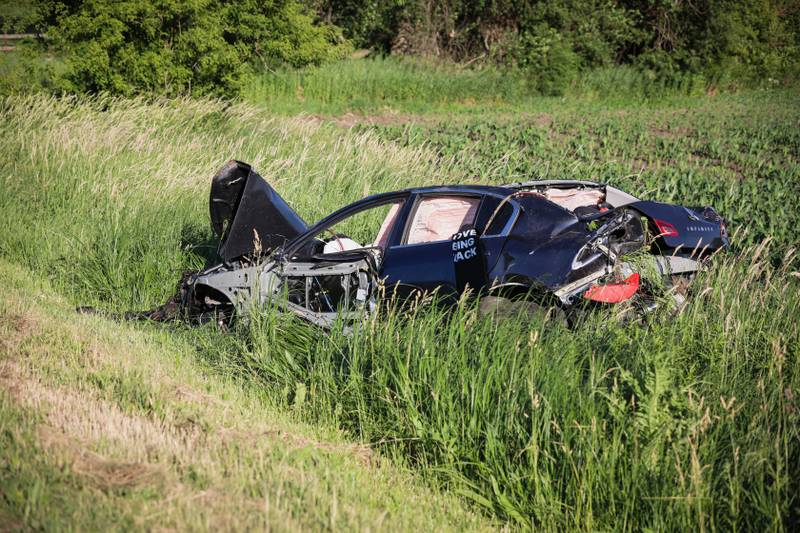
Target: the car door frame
(399, 252)
(291, 266)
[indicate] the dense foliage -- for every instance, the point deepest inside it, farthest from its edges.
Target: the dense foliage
(18, 16)
(183, 46)
(554, 40)
(211, 46)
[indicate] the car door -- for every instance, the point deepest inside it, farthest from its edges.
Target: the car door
(423, 258)
(495, 220)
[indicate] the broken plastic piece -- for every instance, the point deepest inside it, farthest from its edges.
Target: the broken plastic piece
(614, 293)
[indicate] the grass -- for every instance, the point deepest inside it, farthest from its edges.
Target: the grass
(611, 426)
(397, 85)
(686, 422)
(105, 426)
(384, 84)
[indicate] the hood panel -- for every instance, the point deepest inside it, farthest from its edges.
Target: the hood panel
(243, 204)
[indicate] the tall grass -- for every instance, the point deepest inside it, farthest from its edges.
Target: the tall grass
(392, 85)
(627, 83)
(381, 84)
(689, 422)
(108, 197)
(686, 422)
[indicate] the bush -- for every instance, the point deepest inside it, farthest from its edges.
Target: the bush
(185, 46)
(27, 69)
(740, 40)
(548, 60)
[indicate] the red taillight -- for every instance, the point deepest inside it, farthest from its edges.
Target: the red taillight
(665, 229)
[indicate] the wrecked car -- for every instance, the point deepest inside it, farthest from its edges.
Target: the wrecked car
(559, 242)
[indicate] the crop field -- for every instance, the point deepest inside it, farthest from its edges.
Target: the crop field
(422, 419)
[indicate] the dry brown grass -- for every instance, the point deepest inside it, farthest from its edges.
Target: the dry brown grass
(81, 416)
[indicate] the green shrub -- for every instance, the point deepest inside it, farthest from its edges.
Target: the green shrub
(18, 16)
(185, 46)
(548, 60)
(742, 41)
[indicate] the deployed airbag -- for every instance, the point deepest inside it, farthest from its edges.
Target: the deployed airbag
(571, 199)
(438, 218)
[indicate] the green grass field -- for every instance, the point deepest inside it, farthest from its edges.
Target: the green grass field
(419, 420)
(392, 85)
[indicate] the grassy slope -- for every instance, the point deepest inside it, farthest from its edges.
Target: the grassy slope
(102, 424)
(606, 427)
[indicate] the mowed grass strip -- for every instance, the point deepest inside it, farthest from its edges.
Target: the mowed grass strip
(103, 426)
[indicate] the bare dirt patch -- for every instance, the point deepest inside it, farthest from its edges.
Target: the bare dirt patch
(10, 523)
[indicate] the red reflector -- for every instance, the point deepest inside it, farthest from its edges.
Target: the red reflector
(665, 229)
(613, 293)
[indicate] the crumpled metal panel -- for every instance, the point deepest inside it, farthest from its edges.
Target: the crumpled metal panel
(243, 205)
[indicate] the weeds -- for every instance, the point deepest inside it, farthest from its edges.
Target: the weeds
(667, 426)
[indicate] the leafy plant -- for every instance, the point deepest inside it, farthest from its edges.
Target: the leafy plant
(179, 46)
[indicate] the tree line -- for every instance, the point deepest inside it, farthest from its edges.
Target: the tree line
(733, 39)
(212, 46)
